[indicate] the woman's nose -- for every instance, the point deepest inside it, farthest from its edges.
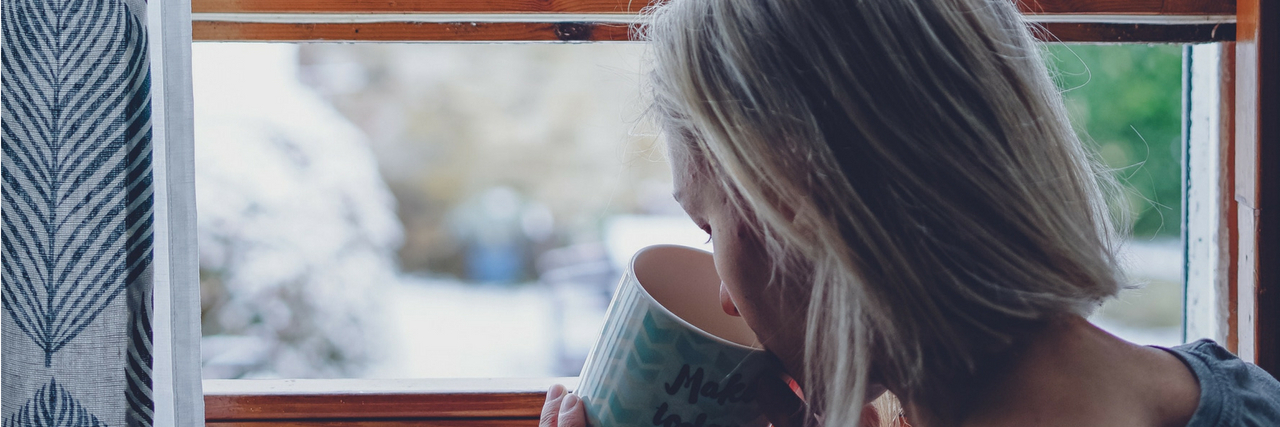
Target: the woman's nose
(726, 302)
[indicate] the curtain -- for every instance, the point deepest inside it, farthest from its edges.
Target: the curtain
(77, 214)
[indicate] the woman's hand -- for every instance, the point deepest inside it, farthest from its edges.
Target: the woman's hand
(562, 409)
(781, 405)
(784, 408)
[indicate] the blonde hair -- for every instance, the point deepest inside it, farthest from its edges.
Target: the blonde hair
(911, 160)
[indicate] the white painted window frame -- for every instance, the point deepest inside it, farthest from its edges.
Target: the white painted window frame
(176, 382)
(1208, 199)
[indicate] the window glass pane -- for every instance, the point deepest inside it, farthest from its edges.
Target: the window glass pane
(394, 210)
(1126, 102)
(426, 210)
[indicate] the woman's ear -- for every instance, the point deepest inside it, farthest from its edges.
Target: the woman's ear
(792, 209)
(788, 212)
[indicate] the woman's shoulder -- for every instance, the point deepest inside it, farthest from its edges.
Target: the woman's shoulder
(1232, 391)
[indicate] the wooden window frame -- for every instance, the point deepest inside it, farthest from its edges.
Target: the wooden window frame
(380, 403)
(1122, 21)
(1245, 277)
(1256, 111)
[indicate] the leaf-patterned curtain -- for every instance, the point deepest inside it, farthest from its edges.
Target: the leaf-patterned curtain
(77, 214)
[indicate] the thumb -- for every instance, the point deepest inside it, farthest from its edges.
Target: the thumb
(781, 405)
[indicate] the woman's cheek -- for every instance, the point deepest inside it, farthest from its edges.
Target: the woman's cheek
(736, 275)
(726, 301)
(730, 278)
(745, 270)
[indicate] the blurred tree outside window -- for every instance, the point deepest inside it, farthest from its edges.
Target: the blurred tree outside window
(1121, 101)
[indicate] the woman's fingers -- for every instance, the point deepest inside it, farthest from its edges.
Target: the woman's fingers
(562, 409)
(551, 408)
(572, 413)
(781, 405)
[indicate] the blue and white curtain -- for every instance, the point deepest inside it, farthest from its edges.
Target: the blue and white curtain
(77, 214)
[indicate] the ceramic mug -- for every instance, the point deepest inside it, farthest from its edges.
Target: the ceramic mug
(668, 354)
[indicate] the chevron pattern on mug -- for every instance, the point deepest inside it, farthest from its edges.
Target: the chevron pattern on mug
(652, 367)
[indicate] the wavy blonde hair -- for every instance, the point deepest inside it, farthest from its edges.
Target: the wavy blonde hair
(911, 160)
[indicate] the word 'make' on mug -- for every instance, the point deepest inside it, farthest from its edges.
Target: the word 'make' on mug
(669, 355)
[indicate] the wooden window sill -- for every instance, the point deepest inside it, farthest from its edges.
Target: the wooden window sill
(380, 403)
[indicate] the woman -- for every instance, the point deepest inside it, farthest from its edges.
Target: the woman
(898, 203)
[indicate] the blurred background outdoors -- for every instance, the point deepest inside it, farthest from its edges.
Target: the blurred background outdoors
(402, 211)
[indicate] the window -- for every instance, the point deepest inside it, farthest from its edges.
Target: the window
(1125, 101)
(419, 211)
(1238, 252)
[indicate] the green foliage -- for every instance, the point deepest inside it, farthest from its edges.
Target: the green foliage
(1125, 101)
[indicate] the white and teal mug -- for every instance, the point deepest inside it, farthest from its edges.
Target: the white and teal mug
(669, 355)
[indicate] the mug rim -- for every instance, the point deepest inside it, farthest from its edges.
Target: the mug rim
(631, 272)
